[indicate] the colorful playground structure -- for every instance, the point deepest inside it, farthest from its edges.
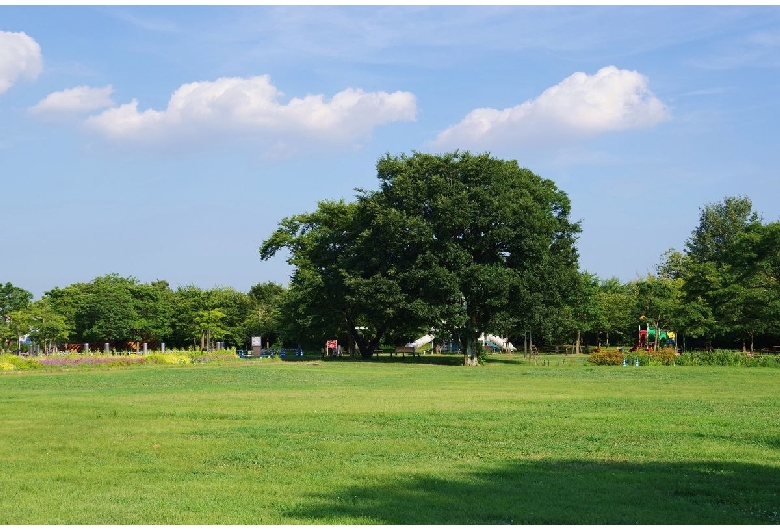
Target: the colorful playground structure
(646, 338)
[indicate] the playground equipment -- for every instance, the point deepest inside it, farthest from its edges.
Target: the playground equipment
(647, 338)
(491, 341)
(422, 341)
(497, 343)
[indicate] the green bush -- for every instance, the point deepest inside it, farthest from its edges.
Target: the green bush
(10, 361)
(168, 358)
(606, 358)
(727, 358)
(665, 357)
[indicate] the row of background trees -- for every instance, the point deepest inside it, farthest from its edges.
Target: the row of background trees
(124, 312)
(457, 243)
(467, 244)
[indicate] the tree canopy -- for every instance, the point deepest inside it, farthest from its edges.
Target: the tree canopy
(449, 242)
(454, 245)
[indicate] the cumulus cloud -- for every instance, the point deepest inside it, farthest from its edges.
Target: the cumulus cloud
(20, 58)
(253, 108)
(78, 99)
(580, 105)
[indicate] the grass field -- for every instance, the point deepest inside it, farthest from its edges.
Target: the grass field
(401, 442)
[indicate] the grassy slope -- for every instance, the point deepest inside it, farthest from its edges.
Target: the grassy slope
(340, 442)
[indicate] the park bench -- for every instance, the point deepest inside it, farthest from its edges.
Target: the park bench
(403, 350)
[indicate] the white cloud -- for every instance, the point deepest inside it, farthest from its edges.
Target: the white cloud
(252, 107)
(580, 105)
(20, 58)
(78, 99)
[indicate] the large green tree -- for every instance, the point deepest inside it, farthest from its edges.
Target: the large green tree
(750, 290)
(494, 240)
(460, 243)
(708, 271)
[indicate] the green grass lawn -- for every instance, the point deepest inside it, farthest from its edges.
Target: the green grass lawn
(391, 442)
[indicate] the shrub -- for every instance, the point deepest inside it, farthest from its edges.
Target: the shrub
(727, 358)
(18, 363)
(168, 358)
(666, 357)
(606, 358)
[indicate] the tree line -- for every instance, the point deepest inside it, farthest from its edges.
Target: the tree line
(125, 313)
(455, 244)
(463, 245)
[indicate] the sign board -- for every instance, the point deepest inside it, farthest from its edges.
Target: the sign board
(257, 341)
(331, 344)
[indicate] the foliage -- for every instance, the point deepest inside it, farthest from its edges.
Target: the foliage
(17, 362)
(606, 358)
(584, 308)
(89, 360)
(264, 319)
(664, 356)
(728, 358)
(450, 242)
(47, 326)
(13, 303)
(338, 287)
(719, 226)
(167, 358)
(121, 310)
(717, 276)
(657, 298)
(615, 302)
(484, 236)
(13, 298)
(456, 243)
(210, 325)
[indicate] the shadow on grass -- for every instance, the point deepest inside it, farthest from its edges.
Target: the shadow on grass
(435, 359)
(563, 492)
(456, 359)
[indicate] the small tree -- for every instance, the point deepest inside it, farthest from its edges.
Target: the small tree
(210, 325)
(47, 326)
(616, 307)
(12, 300)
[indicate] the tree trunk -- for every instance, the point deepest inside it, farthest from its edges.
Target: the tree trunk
(470, 357)
(366, 346)
(577, 342)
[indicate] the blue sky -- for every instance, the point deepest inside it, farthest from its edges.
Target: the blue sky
(168, 142)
